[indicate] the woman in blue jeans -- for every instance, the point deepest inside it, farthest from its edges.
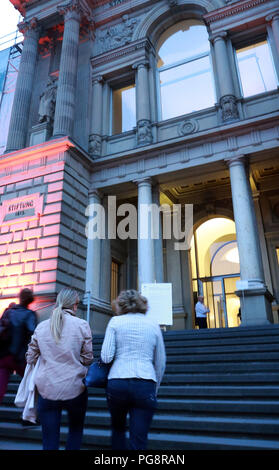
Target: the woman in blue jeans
(64, 343)
(135, 345)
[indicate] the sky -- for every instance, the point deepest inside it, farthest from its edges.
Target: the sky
(9, 18)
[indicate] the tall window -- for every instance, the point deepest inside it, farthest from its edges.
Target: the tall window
(256, 69)
(277, 252)
(184, 69)
(123, 109)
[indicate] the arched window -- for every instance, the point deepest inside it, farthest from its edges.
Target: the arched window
(184, 69)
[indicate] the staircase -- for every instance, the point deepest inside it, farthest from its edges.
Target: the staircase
(220, 392)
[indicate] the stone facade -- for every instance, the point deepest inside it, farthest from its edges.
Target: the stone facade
(89, 49)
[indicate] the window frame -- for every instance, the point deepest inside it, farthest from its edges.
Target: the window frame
(118, 86)
(250, 42)
(177, 64)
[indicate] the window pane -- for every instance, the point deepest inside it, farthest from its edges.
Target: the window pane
(186, 88)
(123, 109)
(183, 40)
(277, 251)
(256, 69)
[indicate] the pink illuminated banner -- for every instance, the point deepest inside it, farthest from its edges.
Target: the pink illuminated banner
(21, 209)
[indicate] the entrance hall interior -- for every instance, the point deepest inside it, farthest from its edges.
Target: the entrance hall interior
(211, 267)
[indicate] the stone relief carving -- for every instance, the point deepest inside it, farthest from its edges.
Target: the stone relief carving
(48, 101)
(95, 145)
(118, 35)
(188, 127)
(229, 107)
(144, 133)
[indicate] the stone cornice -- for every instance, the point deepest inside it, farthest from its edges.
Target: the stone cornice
(231, 10)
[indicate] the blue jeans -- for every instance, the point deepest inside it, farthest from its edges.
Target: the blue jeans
(138, 398)
(50, 416)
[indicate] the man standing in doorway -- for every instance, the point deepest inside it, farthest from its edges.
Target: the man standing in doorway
(201, 312)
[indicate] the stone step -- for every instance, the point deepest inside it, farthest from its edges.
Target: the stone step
(199, 405)
(218, 378)
(100, 439)
(221, 357)
(224, 368)
(194, 390)
(171, 422)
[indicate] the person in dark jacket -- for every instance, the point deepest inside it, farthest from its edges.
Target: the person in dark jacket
(22, 323)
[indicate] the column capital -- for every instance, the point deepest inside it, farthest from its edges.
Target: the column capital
(29, 26)
(272, 16)
(144, 181)
(237, 160)
(95, 192)
(144, 63)
(98, 79)
(214, 37)
(71, 10)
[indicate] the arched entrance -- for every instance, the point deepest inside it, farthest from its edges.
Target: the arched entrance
(215, 270)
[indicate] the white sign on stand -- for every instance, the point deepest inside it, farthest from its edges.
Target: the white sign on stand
(159, 298)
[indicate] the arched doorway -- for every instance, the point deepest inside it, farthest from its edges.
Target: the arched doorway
(215, 270)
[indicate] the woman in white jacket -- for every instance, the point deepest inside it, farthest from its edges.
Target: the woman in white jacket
(135, 345)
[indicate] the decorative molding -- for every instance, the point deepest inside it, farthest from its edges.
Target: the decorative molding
(144, 132)
(229, 109)
(116, 36)
(189, 126)
(95, 145)
(108, 57)
(232, 10)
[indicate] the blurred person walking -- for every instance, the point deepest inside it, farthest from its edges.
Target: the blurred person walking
(18, 323)
(135, 345)
(64, 344)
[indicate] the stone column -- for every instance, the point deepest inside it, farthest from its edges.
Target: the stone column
(158, 243)
(66, 91)
(273, 19)
(254, 296)
(144, 132)
(95, 139)
(24, 87)
(105, 260)
(174, 275)
(146, 269)
(227, 99)
(93, 260)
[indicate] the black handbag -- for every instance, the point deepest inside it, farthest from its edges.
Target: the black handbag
(97, 375)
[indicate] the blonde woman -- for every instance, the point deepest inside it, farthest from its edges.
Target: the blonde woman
(135, 345)
(64, 343)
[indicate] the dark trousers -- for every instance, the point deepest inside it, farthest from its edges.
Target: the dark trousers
(138, 398)
(201, 322)
(7, 366)
(50, 411)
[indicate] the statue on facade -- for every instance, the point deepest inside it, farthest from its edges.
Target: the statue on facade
(47, 101)
(118, 35)
(95, 145)
(144, 133)
(229, 108)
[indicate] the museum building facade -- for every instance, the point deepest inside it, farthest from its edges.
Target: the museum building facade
(168, 102)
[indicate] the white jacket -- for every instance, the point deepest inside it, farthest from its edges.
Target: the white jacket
(26, 394)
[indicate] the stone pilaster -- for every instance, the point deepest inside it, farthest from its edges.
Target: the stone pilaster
(66, 91)
(158, 243)
(95, 138)
(146, 269)
(93, 261)
(144, 131)
(228, 101)
(254, 296)
(273, 19)
(24, 87)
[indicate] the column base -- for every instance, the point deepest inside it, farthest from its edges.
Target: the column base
(256, 308)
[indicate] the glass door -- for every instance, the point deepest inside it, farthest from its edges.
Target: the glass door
(223, 303)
